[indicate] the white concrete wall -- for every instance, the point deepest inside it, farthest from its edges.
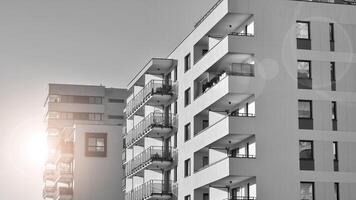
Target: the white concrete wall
(98, 177)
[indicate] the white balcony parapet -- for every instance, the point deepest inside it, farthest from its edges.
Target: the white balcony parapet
(65, 152)
(157, 156)
(157, 123)
(241, 198)
(49, 174)
(162, 88)
(65, 175)
(152, 189)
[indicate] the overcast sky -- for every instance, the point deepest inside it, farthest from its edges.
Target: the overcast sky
(73, 41)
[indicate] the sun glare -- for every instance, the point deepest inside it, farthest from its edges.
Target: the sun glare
(36, 148)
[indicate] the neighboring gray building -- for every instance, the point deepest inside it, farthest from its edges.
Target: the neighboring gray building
(84, 126)
(257, 102)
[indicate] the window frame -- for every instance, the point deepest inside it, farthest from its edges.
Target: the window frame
(309, 70)
(187, 93)
(310, 107)
(187, 167)
(187, 62)
(331, 32)
(89, 135)
(187, 133)
(313, 188)
(334, 110)
(309, 35)
(312, 149)
(336, 150)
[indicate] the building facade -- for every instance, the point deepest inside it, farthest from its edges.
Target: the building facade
(84, 127)
(257, 102)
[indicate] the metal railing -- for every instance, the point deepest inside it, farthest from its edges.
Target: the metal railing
(64, 191)
(150, 188)
(153, 153)
(49, 174)
(154, 119)
(162, 87)
(237, 69)
(49, 191)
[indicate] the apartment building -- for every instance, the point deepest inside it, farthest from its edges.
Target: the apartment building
(84, 127)
(257, 102)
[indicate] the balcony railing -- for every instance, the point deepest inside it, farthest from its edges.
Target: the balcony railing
(149, 189)
(64, 191)
(153, 120)
(237, 69)
(151, 154)
(65, 152)
(49, 191)
(160, 87)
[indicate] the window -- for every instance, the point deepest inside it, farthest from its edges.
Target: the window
(331, 32)
(175, 73)
(337, 191)
(187, 131)
(187, 62)
(205, 161)
(187, 167)
(204, 51)
(115, 116)
(306, 191)
(305, 109)
(175, 140)
(95, 144)
(205, 124)
(175, 107)
(205, 196)
(333, 76)
(116, 101)
(187, 197)
(95, 100)
(304, 69)
(187, 97)
(306, 150)
(303, 30)
(335, 150)
(334, 114)
(95, 116)
(175, 174)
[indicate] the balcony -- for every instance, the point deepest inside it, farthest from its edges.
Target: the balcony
(226, 93)
(154, 125)
(66, 152)
(151, 190)
(232, 170)
(49, 192)
(49, 174)
(154, 157)
(154, 93)
(241, 198)
(64, 193)
(65, 175)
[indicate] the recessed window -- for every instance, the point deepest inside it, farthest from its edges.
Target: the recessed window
(305, 109)
(187, 132)
(187, 168)
(95, 144)
(303, 30)
(336, 191)
(187, 97)
(115, 116)
(175, 74)
(187, 62)
(333, 109)
(304, 69)
(335, 150)
(116, 101)
(306, 150)
(187, 197)
(306, 191)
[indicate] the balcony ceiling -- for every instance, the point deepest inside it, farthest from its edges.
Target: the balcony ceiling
(228, 181)
(228, 102)
(230, 139)
(229, 59)
(222, 28)
(156, 66)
